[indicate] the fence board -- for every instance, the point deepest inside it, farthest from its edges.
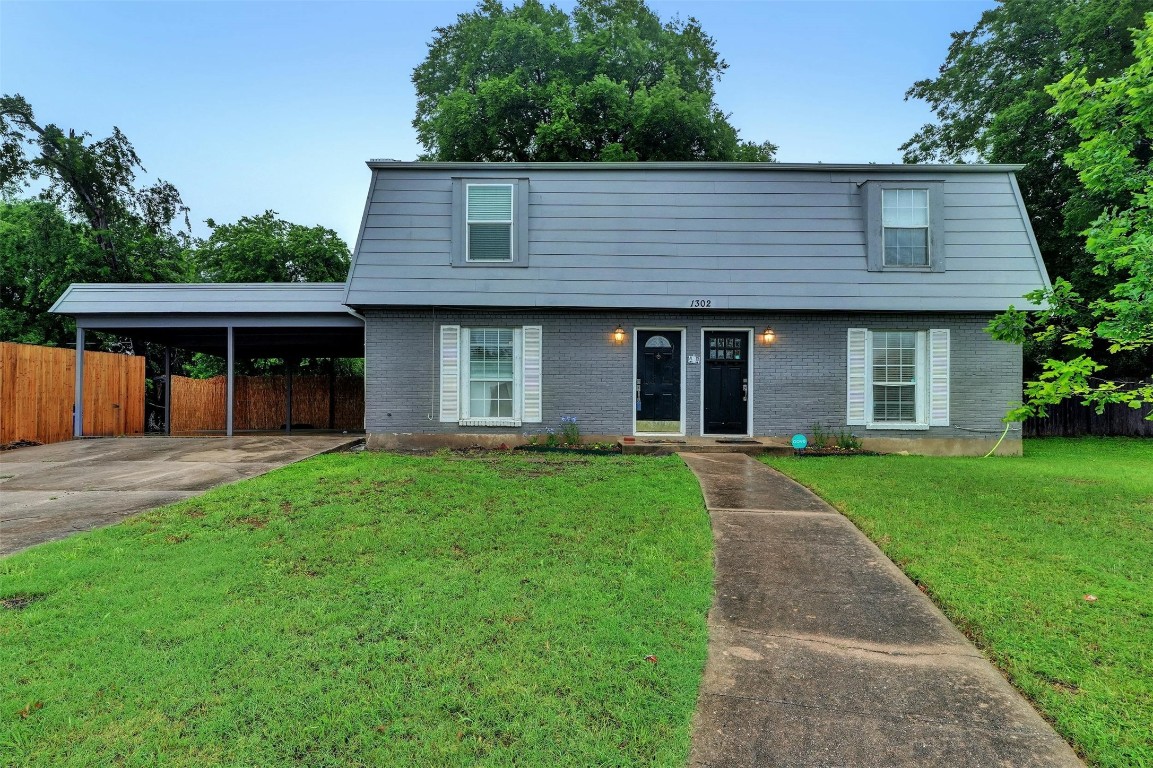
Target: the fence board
(198, 404)
(38, 388)
(1072, 419)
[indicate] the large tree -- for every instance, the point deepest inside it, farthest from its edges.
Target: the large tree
(41, 252)
(611, 81)
(268, 249)
(991, 105)
(1114, 119)
(95, 182)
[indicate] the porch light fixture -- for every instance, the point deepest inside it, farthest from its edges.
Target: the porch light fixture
(768, 336)
(619, 335)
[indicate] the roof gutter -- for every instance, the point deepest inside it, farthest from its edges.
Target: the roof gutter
(701, 165)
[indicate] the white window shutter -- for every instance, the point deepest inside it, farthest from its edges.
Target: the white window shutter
(939, 377)
(531, 373)
(858, 371)
(450, 373)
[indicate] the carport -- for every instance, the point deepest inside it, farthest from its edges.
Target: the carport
(235, 321)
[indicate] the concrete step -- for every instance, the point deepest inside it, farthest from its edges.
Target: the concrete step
(658, 447)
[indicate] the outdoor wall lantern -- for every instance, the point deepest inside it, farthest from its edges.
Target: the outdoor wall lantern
(619, 335)
(769, 336)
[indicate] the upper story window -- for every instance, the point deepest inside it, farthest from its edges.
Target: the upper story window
(490, 222)
(905, 216)
(904, 225)
(490, 219)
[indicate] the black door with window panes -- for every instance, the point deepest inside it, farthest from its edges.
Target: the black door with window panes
(658, 385)
(726, 383)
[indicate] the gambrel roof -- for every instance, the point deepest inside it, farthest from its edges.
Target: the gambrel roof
(742, 236)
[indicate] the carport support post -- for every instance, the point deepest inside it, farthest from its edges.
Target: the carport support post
(288, 395)
(168, 390)
(332, 393)
(78, 405)
(231, 385)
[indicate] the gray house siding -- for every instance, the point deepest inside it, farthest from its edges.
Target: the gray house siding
(771, 238)
(798, 381)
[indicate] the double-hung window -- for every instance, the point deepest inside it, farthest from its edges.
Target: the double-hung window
(904, 225)
(898, 379)
(489, 221)
(896, 393)
(905, 216)
(491, 376)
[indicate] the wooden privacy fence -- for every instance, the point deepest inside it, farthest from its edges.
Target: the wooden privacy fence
(1071, 419)
(38, 388)
(259, 403)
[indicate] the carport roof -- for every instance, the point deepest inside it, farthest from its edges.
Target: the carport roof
(201, 298)
(268, 319)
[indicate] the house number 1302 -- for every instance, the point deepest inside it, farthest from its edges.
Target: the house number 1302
(701, 303)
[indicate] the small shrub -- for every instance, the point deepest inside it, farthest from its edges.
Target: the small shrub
(570, 432)
(550, 438)
(847, 441)
(821, 438)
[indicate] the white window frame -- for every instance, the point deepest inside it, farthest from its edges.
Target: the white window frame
(466, 418)
(683, 331)
(750, 358)
(921, 381)
(928, 227)
(511, 224)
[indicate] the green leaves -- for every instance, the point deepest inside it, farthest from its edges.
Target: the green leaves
(991, 104)
(610, 82)
(1114, 118)
(268, 249)
(41, 252)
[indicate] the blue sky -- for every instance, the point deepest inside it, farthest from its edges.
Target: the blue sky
(247, 106)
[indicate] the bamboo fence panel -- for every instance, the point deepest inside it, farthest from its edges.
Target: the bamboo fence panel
(259, 403)
(38, 388)
(197, 404)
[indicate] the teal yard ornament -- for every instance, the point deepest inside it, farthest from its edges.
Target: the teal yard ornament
(800, 442)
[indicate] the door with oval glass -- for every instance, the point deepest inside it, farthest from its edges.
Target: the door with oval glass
(726, 383)
(658, 384)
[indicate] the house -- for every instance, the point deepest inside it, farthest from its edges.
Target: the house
(692, 299)
(665, 301)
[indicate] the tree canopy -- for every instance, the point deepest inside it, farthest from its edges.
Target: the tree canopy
(991, 105)
(265, 248)
(1114, 119)
(96, 182)
(41, 253)
(611, 81)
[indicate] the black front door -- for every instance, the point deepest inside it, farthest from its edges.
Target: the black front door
(658, 385)
(726, 371)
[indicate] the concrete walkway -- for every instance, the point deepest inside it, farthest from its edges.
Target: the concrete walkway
(51, 491)
(822, 653)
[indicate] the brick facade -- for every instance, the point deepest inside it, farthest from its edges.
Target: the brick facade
(798, 381)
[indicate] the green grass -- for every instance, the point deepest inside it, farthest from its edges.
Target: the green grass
(1009, 547)
(375, 610)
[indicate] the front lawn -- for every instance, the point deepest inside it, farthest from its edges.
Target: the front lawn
(370, 610)
(1009, 548)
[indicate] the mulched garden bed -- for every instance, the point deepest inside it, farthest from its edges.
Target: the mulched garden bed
(579, 450)
(823, 452)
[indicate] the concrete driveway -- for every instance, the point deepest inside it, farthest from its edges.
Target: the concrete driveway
(48, 492)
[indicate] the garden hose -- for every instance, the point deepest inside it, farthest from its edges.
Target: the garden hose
(998, 445)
